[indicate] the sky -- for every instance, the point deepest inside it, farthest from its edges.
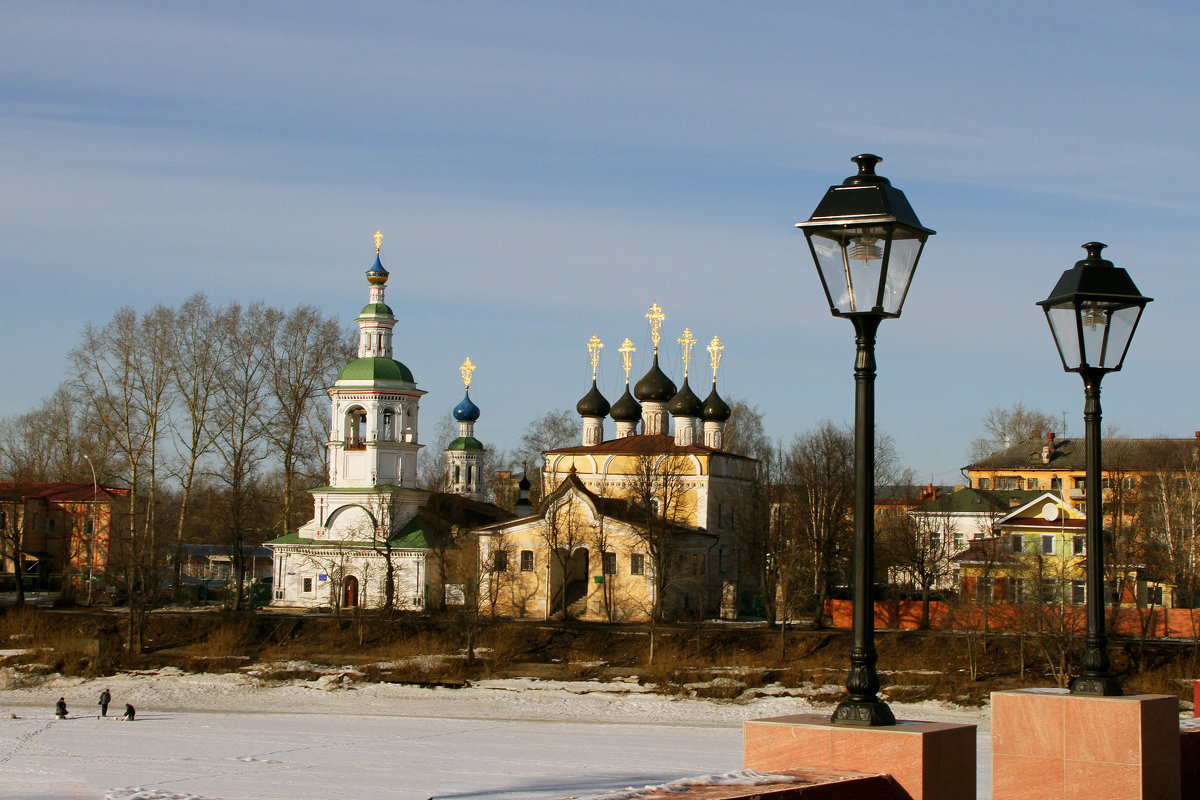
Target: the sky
(545, 171)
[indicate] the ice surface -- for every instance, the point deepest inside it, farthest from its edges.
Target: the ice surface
(232, 737)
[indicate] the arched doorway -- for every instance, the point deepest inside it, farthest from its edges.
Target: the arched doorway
(350, 591)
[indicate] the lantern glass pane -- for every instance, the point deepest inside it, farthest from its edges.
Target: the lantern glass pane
(1121, 322)
(1064, 324)
(906, 248)
(851, 261)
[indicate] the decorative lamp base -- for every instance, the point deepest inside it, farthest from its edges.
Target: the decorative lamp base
(1100, 686)
(867, 713)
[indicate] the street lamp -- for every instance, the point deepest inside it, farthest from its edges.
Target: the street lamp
(865, 240)
(1093, 312)
(92, 534)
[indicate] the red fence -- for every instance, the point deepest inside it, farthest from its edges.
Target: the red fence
(1177, 623)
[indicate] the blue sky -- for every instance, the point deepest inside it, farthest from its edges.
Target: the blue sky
(544, 171)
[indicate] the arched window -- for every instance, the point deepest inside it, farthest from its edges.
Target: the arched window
(456, 473)
(389, 435)
(468, 473)
(356, 429)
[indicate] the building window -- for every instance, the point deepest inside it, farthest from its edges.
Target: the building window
(1128, 482)
(1079, 483)
(1056, 484)
(983, 589)
(985, 483)
(500, 561)
(1008, 482)
(1081, 507)
(306, 585)
(1106, 483)
(1018, 543)
(1078, 593)
(526, 561)
(1049, 590)
(1032, 484)
(1154, 595)
(1047, 544)
(637, 564)
(610, 563)
(1078, 545)
(1020, 589)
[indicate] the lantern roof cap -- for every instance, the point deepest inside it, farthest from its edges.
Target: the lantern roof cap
(864, 198)
(1094, 278)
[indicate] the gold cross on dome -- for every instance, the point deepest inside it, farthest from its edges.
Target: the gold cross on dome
(656, 318)
(594, 347)
(466, 369)
(714, 352)
(378, 241)
(687, 342)
(627, 350)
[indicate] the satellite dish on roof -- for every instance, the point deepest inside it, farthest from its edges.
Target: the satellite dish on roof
(1050, 512)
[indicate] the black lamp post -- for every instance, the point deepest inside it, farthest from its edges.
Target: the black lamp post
(1093, 312)
(865, 240)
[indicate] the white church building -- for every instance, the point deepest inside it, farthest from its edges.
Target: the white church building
(367, 522)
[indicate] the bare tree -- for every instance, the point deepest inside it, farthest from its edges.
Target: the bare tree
(818, 491)
(744, 432)
(657, 492)
(201, 345)
(917, 546)
(124, 370)
(550, 431)
(563, 533)
(1004, 427)
(240, 413)
(305, 351)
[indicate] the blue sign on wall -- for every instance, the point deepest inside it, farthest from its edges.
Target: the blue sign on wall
(322, 577)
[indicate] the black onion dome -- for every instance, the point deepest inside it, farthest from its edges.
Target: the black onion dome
(626, 409)
(593, 403)
(524, 483)
(716, 409)
(685, 403)
(655, 386)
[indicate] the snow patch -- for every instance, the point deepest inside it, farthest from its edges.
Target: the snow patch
(139, 793)
(745, 777)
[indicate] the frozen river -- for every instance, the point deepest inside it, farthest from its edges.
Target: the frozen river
(223, 737)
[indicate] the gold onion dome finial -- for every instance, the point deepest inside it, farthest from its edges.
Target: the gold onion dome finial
(378, 240)
(467, 369)
(687, 342)
(714, 353)
(594, 346)
(656, 318)
(627, 350)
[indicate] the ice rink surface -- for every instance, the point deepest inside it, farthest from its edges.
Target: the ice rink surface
(224, 737)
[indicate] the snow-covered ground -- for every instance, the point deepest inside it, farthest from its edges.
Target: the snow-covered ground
(233, 736)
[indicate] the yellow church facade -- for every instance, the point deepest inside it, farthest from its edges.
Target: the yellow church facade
(639, 526)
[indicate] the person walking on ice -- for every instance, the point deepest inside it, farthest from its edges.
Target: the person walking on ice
(60, 708)
(105, 699)
(128, 715)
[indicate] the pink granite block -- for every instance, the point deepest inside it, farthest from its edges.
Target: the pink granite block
(1028, 723)
(1115, 748)
(927, 760)
(1017, 777)
(1091, 780)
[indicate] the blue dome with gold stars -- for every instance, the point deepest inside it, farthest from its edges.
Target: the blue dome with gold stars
(466, 411)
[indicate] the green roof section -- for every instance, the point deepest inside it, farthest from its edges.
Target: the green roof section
(375, 369)
(376, 310)
(465, 443)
